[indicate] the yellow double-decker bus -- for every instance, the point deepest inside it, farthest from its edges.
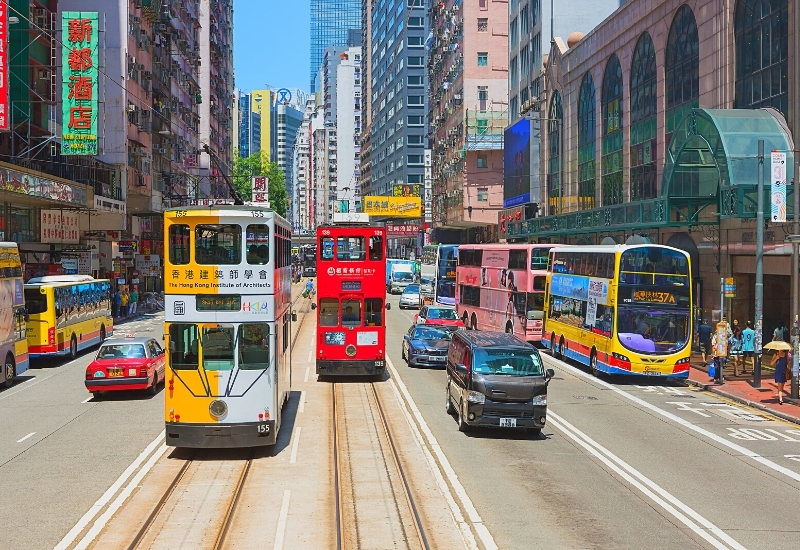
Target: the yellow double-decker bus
(67, 314)
(623, 309)
(13, 344)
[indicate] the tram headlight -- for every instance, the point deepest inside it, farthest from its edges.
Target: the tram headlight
(350, 350)
(218, 408)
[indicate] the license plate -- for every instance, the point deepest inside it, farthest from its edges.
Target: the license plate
(508, 422)
(652, 373)
(434, 358)
(114, 372)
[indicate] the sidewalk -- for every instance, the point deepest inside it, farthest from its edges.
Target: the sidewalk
(740, 389)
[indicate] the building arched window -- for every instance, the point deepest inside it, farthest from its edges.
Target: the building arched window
(761, 31)
(612, 133)
(643, 120)
(587, 134)
(681, 69)
(555, 118)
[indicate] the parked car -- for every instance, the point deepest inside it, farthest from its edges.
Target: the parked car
(410, 297)
(495, 379)
(128, 363)
(438, 315)
(426, 345)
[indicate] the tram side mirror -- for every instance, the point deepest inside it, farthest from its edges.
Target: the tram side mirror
(313, 305)
(294, 317)
(388, 307)
(535, 315)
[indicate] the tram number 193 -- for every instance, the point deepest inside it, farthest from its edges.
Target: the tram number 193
(262, 428)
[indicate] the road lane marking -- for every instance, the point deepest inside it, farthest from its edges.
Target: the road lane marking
(112, 509)
(26, 437)
(70, 537)
(443, 464)
(649, 488)
(284, 513)
(295, 442)
(308, 369)
(310, 354)
(680, 421)
(302, 406)
(87, 399)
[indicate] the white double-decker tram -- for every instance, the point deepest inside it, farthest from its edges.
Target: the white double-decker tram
(227, 325)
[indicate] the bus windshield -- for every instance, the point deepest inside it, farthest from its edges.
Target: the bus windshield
(652, 330)
(35, 301)
(508, 362)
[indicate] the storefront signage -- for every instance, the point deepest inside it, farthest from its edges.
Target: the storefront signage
(15, 181)
(408, 190)
(85, 263)
(70, 265)
(109, 205)
(778, 187)
(5, 104)
(60, 227)
(148, 263)
(402, 230)
(128, 246)
(79, 82)
(393, 207)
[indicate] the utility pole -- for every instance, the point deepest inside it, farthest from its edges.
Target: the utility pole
(759, 267)
(795, 252)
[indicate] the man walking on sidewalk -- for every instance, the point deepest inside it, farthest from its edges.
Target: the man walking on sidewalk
(134, 301)
(748, 346)
(704, 339)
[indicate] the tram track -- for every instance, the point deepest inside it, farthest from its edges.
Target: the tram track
(225, 522)
(405, 516)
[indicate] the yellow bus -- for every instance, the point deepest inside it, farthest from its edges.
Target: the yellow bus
(13, 344)
(623, 309)
(67, 314)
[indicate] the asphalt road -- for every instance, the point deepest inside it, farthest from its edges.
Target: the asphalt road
(59, 454)
(621, 464)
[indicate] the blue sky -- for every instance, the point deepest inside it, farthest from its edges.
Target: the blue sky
(271, 43)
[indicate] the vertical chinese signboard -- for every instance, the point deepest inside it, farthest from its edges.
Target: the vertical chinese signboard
(261, 190)
(79, 83)
(5, 104)
(778, 186)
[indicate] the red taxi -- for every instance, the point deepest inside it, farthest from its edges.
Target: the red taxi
(438, 315)
(126, 364)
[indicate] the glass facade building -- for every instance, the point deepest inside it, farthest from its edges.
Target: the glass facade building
(333, 23)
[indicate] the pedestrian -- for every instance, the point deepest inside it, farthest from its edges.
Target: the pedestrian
(748, 346)
(735, 346)
(719, 353)
(116, 303)
(704, 339)
(134, 303)
(780, 364)
(124, 300)
(780, 333)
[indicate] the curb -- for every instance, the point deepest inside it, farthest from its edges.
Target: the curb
(714, 389)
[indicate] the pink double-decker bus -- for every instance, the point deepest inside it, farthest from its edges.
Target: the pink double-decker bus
(500, 287)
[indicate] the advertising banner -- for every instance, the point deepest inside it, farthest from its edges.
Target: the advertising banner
(60, 227)
(79, 94)
(393, 207)
(402, 230)
(408, 190)
(778, 187)
(5, 103)
(517, 164)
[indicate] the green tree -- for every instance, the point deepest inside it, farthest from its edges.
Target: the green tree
(245, 169)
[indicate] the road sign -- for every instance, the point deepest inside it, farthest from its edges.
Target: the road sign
(730, 287)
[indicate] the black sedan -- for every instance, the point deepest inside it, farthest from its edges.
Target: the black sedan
(426, 345)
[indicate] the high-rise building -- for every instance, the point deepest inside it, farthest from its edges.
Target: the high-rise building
(288, 121)
(215, 38)
(301, 177)
(468, 86)
(366, 97)
(249, 127)
(333, 23)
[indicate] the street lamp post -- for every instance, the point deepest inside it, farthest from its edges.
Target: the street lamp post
(759, 291)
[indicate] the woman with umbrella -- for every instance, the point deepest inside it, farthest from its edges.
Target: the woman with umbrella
(780, 364)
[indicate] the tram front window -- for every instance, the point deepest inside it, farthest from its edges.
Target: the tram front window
(217, 342)
(351, 312)
(218, 244)
(329, 312)
(183, 346)
(254, 346)
(373, 307)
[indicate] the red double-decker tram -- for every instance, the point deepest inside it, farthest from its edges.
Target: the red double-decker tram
(351, 300)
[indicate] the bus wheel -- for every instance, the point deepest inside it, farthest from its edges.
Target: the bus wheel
(73, 347)
(553, 351)
(593, 364)
(102, 333)
(474, 322)
(9, 371)
(509, 328)
(561, 348)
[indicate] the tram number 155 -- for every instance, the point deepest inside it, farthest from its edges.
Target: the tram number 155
(262, 428)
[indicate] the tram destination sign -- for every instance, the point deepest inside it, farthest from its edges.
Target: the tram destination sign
(351, 285)
(219, 302)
